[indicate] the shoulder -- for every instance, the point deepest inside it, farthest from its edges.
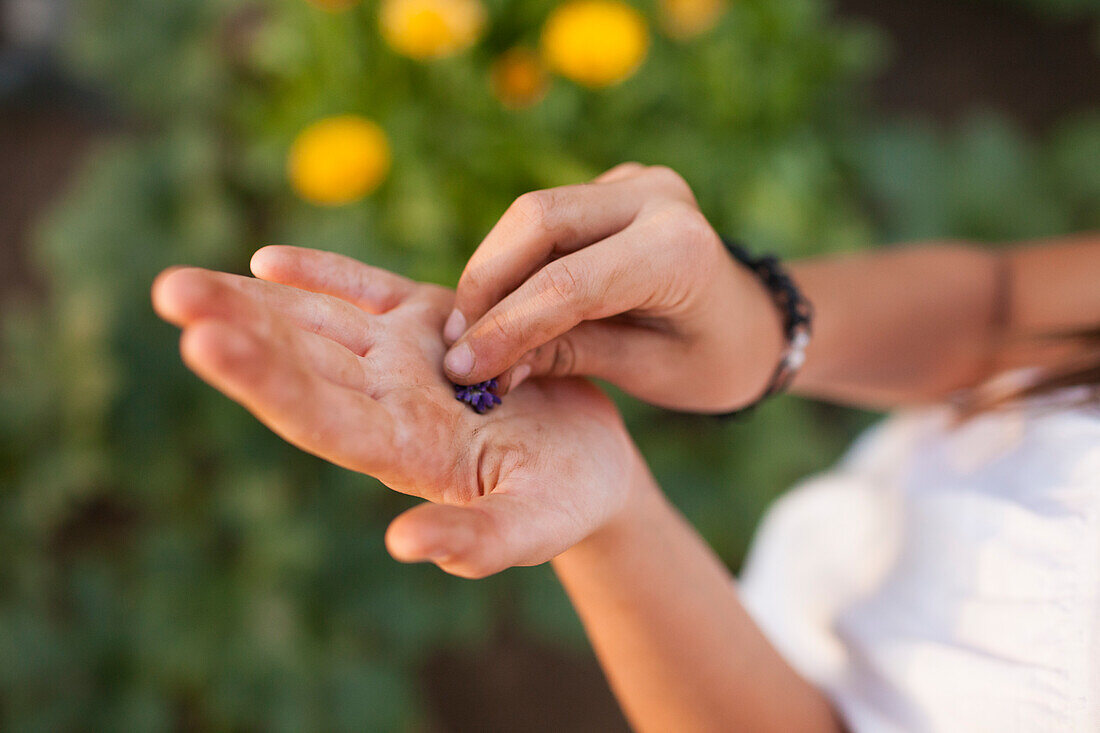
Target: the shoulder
(1042, 456)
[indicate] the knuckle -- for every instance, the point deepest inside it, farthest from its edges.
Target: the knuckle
(694, 227)
(498, 324)
(630, 167)
(533, 208)
(557, 280)
(670, 180)
(686, 225)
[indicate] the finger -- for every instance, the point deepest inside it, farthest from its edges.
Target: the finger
(341, 425)
(594, 349)
(182, 295)
(537, 227)
(597, 282)
(187, 295)
(619, 172)
(543, 225)
(577, 351)
(490, 534)
(370, 288)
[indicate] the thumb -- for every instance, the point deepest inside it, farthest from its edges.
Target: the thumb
(490, 534)
(590, 349)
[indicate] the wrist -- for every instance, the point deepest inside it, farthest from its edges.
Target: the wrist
(795, 316)
(755, 340)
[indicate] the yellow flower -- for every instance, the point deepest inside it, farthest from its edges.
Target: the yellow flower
(519, 80)
(430, 29)
(338, 160)
(689, 18)
(596, 43)
(334, 6)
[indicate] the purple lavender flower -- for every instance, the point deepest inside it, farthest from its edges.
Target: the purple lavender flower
(481, 396)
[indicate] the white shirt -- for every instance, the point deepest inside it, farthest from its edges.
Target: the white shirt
(945, 578)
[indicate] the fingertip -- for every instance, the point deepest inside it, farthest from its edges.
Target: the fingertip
(176, 290)
(459, 362)
(163, 275)
(405, 538)
(267, 261)
(401, 545)
(518, 376)
(454, 327)
(429, 533)
(157, 289)
(512, 378)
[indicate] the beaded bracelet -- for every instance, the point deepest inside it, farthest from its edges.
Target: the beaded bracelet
(797, 320)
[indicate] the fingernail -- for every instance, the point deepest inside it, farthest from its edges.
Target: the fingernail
(521, 373)
(455, 326)
(459, 360)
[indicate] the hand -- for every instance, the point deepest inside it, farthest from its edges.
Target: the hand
(623, 279)
(342, 360)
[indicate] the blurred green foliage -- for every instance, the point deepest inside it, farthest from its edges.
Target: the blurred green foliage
(167, 561)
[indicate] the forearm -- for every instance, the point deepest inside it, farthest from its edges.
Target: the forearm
(914, 323)
(898, 326)
(678, 648)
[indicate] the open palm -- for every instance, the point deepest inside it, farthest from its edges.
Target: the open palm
(344, 361)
